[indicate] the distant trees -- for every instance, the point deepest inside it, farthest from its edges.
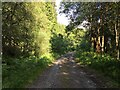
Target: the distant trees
(59, 41)
(104, 23)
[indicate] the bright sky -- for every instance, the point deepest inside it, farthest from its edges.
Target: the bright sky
(61, 18)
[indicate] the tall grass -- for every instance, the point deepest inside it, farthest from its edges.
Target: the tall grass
(17, 73)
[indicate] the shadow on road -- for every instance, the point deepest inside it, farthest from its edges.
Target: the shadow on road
(65, 73)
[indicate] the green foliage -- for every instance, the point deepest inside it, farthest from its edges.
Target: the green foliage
(59, 41)
(29, 26)
(84, 45)
(31, 38)
(59, 44)
(22, 71)
(26, 43)
(103, 23)
(75, 37)
(103, 63)
(16, 29)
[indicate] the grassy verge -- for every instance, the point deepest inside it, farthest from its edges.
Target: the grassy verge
(17, 73)
(104, 64)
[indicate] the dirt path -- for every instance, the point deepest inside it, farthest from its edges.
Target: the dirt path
(65, 73)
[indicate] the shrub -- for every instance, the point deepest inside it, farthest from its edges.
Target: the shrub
(22, 71)
(103, 63)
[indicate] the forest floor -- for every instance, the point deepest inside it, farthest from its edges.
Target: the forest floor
(66, 73)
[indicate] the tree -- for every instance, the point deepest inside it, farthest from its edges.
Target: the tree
(103, 23)
(27, 28)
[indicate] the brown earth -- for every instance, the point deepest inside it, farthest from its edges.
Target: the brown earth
(66, 73)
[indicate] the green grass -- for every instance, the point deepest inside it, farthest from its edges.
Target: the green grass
(102, 63)
(17, 73)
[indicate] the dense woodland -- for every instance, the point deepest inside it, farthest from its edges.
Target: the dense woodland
(103, 21)
(99, 48)
(32, 39)
(27, 29)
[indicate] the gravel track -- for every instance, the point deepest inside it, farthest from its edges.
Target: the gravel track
(64, 73)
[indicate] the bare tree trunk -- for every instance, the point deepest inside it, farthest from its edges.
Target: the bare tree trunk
(99, 35)
(98, 42)
(102, 43)
(92, 43)
(117, 41)
(102, 28)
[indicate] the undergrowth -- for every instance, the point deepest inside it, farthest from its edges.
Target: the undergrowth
(18, 72)
(103, 63)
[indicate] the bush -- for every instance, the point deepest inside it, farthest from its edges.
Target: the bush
(103, 63)
(22, 71)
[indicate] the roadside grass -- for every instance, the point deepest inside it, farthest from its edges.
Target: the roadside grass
(105, 64)
(18, 72)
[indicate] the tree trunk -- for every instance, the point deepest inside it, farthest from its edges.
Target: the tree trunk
(102, 44)
(117, 42)
(92, 43)
(98, 42)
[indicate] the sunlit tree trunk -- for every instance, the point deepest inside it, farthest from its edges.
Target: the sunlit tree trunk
(92, 43)
(102, 30)
(116, 31)
(102, 44)
(98, 42)
(117, 41)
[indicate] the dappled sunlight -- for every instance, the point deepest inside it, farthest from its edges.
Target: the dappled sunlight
(50, 65)
(61, 61)
(74, 66)
(33, 41)
(72, 60)
(60, 66)
(64, 73)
